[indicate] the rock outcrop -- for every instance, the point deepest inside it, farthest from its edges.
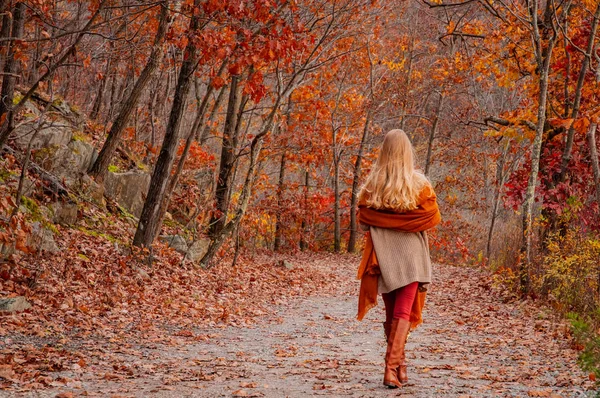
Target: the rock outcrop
(62, 149)
(193, 251)
(64, 213)
(14, 304)
(42, 239)
(128, 189)
(68, 162)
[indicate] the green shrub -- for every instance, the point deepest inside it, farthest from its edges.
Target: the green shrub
(588, 341)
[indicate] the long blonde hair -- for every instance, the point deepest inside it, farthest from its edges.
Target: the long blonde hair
(394, 183)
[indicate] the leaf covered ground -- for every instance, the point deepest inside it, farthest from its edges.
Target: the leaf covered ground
(260, 329)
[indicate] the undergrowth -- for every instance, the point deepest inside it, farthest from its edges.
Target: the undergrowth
(566, 276)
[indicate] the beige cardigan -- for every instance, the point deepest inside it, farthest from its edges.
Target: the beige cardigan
(403, 258)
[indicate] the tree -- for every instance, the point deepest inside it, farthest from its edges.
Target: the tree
(100, 166)
(7, 109)
(149, 222)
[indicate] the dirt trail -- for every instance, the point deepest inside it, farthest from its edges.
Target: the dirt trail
(471, 345)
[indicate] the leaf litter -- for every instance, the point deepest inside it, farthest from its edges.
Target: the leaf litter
(259, 330)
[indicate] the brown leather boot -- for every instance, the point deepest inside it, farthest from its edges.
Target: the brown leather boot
(395, 352)
(402, 375)
(386, 329)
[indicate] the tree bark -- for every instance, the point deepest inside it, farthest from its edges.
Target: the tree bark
(543, 56)
(200, 115)
(10, 69)
(204, 135)
(152, 110)
(433, 132)
(149, 224)
(280, 187)
(35, 62)
(113, 92)
(226, 163)
(337, 233)
(500, 177)
(566, 157)
(100, 94)
(355, 186)
(591, 136)
(246, 194)
(304, 226)
(4, 30)
(100, 166)
(255, 149)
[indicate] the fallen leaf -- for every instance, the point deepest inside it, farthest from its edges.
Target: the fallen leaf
(247, 385)
(539, 393)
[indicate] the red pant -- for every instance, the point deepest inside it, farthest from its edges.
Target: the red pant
(399, 302)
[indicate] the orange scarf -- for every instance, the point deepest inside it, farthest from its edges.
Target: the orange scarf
(424, 217)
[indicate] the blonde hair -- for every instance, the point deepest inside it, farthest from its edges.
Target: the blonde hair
(394, 183)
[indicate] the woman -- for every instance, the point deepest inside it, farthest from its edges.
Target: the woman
(397, 205)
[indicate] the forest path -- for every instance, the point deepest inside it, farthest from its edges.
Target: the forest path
(472, 344)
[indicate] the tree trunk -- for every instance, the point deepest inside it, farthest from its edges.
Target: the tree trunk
(337, 233)
(33, 69)
(230, 226)
(200, 115)
(591, 136)
(304, 226)
(113, 93)
(10, 69)
(408, 82)
(4, 30)
(100, 166)
(149, 224)
(566, 157)
(486, 180)
(220, 228)
(433, 132)
(255, 149)
(544, 56)
(280, 187)
(227, 161)
(500, 176)
(152, 110)
(355, 186)
(204, 135)
(100, 94)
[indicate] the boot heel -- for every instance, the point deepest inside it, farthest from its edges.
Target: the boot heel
(402, 375)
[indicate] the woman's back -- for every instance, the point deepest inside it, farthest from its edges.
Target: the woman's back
(403, 257)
